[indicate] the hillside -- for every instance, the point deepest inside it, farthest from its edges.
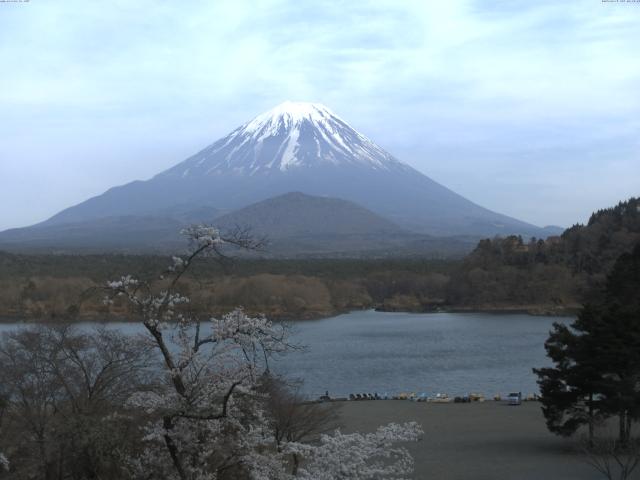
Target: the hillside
(296, 224)
(296, 214)
(556, 273)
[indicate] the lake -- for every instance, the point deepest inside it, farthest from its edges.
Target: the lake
(454, 353)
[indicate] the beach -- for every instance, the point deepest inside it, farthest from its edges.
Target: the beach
(480, 441)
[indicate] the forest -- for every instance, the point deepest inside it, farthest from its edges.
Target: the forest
(550, 276)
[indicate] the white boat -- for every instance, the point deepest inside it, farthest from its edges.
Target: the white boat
(441, 398)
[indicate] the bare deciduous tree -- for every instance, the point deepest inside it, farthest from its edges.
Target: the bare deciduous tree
(612, 459)
(64, 392)
(293, 418)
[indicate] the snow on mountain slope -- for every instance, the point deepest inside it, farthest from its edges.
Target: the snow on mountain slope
(291, 135)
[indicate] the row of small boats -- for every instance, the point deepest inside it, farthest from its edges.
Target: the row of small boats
(437, 398)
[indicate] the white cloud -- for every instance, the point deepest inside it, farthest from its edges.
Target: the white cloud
(96, 94)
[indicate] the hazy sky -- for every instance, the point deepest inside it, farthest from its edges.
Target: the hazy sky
(530, 108)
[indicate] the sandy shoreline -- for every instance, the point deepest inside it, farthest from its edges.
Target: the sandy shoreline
(479, 441)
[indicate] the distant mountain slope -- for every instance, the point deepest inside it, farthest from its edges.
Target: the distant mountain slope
(130, 233)
(294, 225)
(296, 214)
(307, 148)
(142, 233)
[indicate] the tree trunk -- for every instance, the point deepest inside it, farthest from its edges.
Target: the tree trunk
(173, 450)
(591, 420)
(624, 425)
(296, 464)
(44, 465)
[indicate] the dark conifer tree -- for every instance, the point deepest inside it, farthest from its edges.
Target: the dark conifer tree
(597, 359)
(570, 389)
(617, 330)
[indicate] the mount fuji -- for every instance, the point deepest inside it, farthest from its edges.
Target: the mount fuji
(295, 147)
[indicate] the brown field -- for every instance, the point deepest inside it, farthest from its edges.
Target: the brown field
(478, 441)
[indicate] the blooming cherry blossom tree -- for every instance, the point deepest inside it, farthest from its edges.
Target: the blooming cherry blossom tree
(359, 456)
(208, 419)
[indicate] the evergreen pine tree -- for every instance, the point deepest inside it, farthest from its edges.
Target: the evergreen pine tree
(597, 359)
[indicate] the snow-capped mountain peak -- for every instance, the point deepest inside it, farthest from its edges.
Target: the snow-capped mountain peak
(294, 147)
(290, 136)
(292, 114)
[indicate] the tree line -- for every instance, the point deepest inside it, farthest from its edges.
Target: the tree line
(559, 273)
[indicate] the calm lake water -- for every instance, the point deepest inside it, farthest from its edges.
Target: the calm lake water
(454, 353)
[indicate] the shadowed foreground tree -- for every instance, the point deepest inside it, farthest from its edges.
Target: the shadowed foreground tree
(613, 461)
(4, 462)
(597, 359)
(570, 389)
(293, 419)
(64, 390)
